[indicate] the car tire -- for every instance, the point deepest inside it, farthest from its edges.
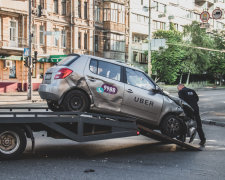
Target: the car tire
(76, 101)
(53, 106)
(172, 126)
(12, 142)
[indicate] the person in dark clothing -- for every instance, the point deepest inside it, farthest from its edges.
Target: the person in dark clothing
(190, 96)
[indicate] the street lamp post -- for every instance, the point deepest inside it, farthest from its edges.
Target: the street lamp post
(149, 41)
(29, 88)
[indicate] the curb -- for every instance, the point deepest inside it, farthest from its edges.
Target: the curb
(215, 123)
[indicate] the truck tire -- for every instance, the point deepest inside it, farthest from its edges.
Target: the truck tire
(12, 142)
(171, 126)
(76, 101)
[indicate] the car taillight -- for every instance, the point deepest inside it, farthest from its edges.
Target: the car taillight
(63, 73)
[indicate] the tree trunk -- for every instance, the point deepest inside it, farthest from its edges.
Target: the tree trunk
(189, 73)
(181, 77)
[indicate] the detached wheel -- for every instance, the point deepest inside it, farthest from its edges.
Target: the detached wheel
(12, 142)
(171, 126)
(53, 106)
(76, 101)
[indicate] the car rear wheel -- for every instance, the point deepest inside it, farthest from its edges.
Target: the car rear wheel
(12, 142)
(53, 106)
(172, 126)
(76, 101)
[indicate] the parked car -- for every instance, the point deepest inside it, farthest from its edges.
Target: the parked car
(83, 83)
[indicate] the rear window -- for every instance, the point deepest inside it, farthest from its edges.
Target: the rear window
(67, 61)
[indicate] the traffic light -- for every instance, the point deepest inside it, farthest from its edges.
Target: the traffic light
(34, 60)
(26, 63)
(39, 11)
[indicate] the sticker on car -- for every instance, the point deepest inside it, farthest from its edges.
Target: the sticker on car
(107, 89)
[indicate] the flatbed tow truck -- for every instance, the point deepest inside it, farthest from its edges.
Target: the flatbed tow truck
(19, 123)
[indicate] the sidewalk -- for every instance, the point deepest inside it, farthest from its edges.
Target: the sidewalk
(20, 98)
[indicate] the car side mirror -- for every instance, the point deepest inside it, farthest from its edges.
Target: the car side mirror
(156, 89)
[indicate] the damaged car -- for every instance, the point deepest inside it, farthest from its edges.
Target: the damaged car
(83, 83)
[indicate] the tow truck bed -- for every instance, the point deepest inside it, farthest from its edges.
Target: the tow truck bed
(80, 127)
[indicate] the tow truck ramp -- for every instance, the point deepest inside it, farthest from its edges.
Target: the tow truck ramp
(80, 127)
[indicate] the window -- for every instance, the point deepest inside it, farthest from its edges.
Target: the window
(0, 28)
(42, 35)
(67, 61)
(96, 43)
(117, 42)
(109, 70)
(114, 12)
(138, 79)
(93, 66)
(56, 37)
(12, 70)
(85, 41)
(63, 7)
(121, 14)
(106, 14)
(13, 31)
(41, 70)
(97, 13)
(56, 6)
(33, 3)
(34, 74)
(42, 4)
(85, 10)
(141, 2)
(79, 40)
(63, 35)
(79, 9)
(34, 34)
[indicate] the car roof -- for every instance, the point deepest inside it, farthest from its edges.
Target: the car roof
(114, 61)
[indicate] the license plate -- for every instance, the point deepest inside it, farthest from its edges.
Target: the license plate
(48, 76)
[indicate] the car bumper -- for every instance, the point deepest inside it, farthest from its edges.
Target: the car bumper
(50, 92)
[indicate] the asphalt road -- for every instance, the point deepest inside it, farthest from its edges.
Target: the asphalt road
(124, 158)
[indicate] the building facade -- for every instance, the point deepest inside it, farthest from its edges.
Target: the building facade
(59, 28)
(179, 12)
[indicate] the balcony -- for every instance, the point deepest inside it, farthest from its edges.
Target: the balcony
(14, 46)
(202, 2)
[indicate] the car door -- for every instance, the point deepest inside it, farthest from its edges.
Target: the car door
(104, 81)
(139, 99)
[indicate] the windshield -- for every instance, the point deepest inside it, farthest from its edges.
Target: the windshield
(68, 60)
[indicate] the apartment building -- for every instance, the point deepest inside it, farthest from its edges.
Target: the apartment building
(179, 12)
(111, 29)
(59, 27)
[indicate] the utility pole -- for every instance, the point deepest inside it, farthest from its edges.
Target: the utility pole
(29, 88)
(149, 41)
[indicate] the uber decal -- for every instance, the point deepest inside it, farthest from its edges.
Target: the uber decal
(143, 101)
(107, 89)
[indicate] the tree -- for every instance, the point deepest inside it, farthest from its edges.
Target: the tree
(217, 66)
(196, 60)
(166, 62)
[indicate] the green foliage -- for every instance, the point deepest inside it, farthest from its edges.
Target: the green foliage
(166, 63)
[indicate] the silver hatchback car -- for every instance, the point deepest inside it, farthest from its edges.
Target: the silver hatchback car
(88, 83)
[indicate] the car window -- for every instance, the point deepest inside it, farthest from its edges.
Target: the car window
(93, 66)
(138, 79)
(109, 70)
(68, 60)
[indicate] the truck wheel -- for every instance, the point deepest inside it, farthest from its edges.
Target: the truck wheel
(76, 101)
(171, 126)
(53, 106)
(12, 142)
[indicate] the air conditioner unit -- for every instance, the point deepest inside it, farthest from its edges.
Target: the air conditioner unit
(8, 63)
(44, 12)
(161, 15)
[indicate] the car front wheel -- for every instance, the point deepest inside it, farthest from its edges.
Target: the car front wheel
(172, 127)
